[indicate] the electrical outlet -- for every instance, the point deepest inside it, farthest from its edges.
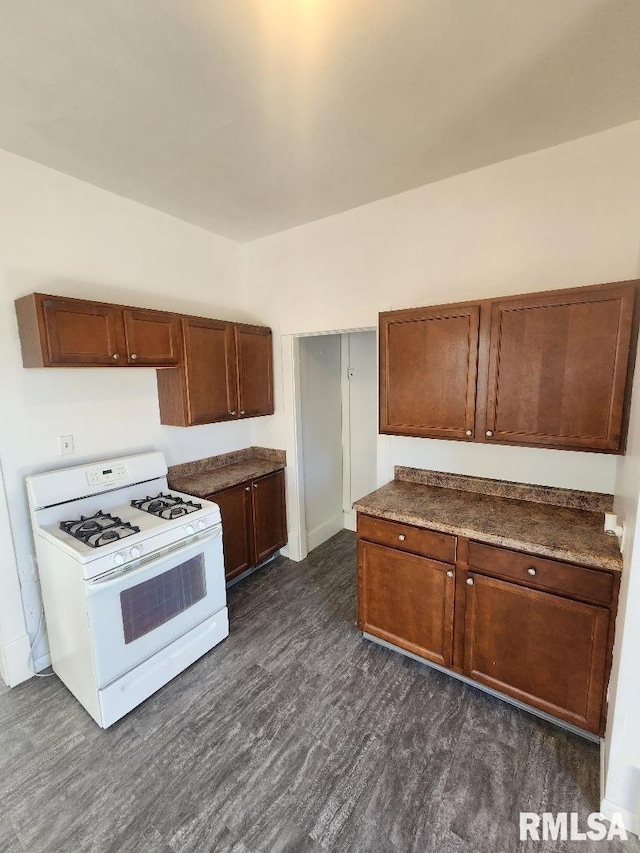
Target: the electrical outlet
(66, 445)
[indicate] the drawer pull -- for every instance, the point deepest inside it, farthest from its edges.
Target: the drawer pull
(402, 537)
(449, 574)
(531, 571)
(469, 581)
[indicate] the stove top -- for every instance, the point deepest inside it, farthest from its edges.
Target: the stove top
(166, 506)
(107, 515)
(99, 529)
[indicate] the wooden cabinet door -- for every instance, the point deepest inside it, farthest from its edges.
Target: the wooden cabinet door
(210, 370)
(542, 649)
(254, 349)
(558, 368)
(428, 367)
(82, 333)
(406, 600)
(235, 509)
(153, 337)
(269, 516)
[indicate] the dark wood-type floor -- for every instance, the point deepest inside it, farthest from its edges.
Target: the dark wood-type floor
(295, 735)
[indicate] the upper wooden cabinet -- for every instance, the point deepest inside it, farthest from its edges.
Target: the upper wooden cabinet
(558, 368)
(547, 369)
(64, 332)
(222, 370)
(153, 337)
(226, 373)
(428, 365)
(254, 369)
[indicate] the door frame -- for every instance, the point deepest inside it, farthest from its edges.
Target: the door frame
(297, 547)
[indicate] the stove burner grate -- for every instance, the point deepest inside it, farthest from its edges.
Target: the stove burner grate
(166, 506)
(99, 529)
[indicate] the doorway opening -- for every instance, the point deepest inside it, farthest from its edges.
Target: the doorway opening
(337, 400)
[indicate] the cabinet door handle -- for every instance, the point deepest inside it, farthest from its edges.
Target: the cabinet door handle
(469, 432)
(449, 574)
(116, 356)
(470, 581)
(133, 356)
(488, 433)
(531, 571)
(233, 412)
(255, 485)
(402, 537)
(242, 411)
(247, 488)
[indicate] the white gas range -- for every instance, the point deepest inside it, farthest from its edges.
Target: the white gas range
(132, 579)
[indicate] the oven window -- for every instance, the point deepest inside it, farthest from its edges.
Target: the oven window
(156, 601)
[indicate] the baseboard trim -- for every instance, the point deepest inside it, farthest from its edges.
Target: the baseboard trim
(631, 821)
(325, 531)
(16, 664)
(292, 549)
(350, 519)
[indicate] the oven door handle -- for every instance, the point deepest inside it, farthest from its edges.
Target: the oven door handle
(116, 577)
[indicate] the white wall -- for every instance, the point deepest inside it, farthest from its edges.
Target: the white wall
(63, 236)
(321, 417)
(622, 753)
(360, 433)
(14, 642)
(562, 217)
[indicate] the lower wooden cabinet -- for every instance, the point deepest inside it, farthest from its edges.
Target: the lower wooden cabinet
(253, 522)
(407, 600)
(546, 650)
(237, 528)
(534, 629)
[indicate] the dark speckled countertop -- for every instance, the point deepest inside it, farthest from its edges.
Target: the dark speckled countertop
(513, 518)
(206, 476)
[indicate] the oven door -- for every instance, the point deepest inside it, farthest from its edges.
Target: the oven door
(136, 612)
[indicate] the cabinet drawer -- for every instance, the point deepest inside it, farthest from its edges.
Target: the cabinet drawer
(404, 537)
(542, 573)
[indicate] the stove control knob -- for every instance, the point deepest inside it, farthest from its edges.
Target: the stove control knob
(134, 553)
(202, 524)
(188, 529)
(118, 558)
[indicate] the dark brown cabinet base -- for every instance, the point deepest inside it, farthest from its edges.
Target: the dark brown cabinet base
(407, 600)
(533, 629)
(253, 522)
(545, 650)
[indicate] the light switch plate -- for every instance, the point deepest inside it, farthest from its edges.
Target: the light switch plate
(66, 445)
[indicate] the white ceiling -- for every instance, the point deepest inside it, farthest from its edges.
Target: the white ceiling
(251, 116)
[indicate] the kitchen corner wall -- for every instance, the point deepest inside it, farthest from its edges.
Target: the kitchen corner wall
(561, 217)
(63, 236)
